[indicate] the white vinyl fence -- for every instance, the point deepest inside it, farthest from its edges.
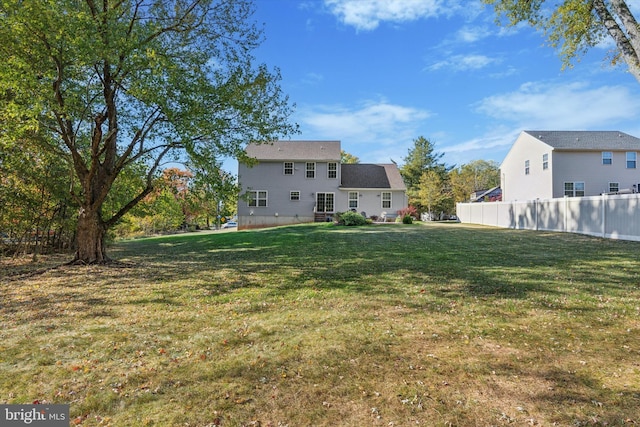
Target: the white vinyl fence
(611, 216)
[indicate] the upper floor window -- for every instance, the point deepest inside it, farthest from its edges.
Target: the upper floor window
(574, 189)
(545, 161)
(631, 159)
(526, 167)
(288, 168)
(386, 200)
(614, 187)
(607, 157)
(311, 170)
(332, 170)
(353, 200)
(257, 198)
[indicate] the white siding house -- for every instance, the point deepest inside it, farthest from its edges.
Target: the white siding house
(552, 164)
(304, 181)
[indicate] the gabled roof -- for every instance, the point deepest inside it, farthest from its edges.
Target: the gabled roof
(587, 140)
(477, 195)
(296, 150)
(359, 175)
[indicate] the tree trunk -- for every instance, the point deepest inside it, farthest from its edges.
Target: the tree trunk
(90, 244)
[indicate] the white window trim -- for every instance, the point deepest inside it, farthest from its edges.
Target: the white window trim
(357, 199)
(307, 170)
(291, 199)
(607, 155)
(329, 170)
(574, 190)
(635, 159)
(617, 185)
(284, 168)
(256, 199)
(390, 199)
(545, 161)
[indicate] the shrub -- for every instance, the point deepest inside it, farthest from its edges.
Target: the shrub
(351, 218)
(407, 219)
(410, 210)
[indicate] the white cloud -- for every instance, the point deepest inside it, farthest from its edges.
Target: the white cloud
(573, 106)
(312, 78)
(464, 62)
(367, 14)
(545, 106)
(471, 34)
(379, 126)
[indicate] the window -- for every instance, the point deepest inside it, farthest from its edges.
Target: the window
(311, 170)
(294, 196)
(574, 189)
(353, 200)
(631, 160)
(288, 168)
(545, 161)
(607, 157)
(614, 187)
(332, 170)
(257, 198)
(386, 200)
(526, 167)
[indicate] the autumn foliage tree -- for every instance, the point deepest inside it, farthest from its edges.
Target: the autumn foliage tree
(473, 176)
(117, 84)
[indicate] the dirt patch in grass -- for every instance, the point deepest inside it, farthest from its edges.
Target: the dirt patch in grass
(318, 325)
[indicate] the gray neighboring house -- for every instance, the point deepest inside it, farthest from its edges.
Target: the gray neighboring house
(552, 164)
(491, 195)
(304, 181)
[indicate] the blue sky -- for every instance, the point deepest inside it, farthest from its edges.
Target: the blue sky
(377, 74)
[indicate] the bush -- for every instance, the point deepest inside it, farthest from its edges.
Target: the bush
(407, 219)
(410, 210)
(350, 218)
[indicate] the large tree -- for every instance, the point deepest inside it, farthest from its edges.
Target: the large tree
(115, 83)
(213, 192)
(574, 26)
(433, 193)
(421, 158)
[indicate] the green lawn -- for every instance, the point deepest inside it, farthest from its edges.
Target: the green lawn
(318, 325)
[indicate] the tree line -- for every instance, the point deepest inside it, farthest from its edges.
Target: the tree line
(38, 214)
(433, 188)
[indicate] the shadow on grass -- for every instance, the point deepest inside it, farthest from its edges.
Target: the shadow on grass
(400, 271)
(451, 261)
(443, 263)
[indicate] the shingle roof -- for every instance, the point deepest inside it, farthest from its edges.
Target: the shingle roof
(296, 150)
(587, 140)
(359, 175)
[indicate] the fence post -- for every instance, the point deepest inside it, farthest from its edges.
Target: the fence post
(604, 214)
(566, 211)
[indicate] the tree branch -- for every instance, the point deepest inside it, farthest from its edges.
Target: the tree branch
(625, 47)
(148, 189)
